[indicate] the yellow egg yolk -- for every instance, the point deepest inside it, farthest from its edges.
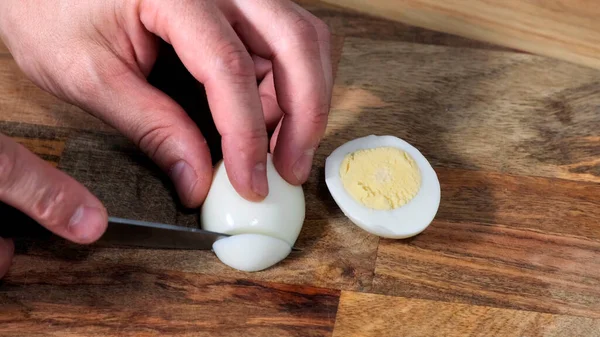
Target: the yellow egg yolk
(381, 178)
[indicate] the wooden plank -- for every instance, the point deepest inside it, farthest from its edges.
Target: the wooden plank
(493, 265)
(562, 29)
(50, 297)
(335, 253)
(541, 204)
(376, 315)
(474, 109)
(350, 23)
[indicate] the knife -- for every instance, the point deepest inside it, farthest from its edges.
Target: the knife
(120, 232)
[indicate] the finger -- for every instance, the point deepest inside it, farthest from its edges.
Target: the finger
(268, 98)
(159, 127)
(261, 67)
(273, 141)
(49, 196)
(324, 39)
(301, 81)
(266, 89)
(7, 249)
(210, 49)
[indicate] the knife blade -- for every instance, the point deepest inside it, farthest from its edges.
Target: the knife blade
(120, 232)
(137, 233)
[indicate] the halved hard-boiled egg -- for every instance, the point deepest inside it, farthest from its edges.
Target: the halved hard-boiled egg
(275, 222)
(383, 185)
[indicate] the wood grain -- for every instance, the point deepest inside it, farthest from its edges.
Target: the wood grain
(494, 265)
(563, 29)
(49, 150)
(47, 143)
(474, 109)
(334, 255)
(113, 299)
(349, 23)
(541, 204)
(376, 315)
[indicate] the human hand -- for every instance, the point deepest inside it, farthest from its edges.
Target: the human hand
(47, 195)
(97, 54)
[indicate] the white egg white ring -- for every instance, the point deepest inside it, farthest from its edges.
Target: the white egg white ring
(406, 221)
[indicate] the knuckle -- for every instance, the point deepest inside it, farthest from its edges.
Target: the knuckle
(235, 60)
(304, 30)
(84, 78)
(246, 141)
(153, 137)
(319, 116)
(48, 205)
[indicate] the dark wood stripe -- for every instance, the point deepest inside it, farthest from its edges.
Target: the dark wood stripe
(104, 299)
(124, 179)
(26, 130)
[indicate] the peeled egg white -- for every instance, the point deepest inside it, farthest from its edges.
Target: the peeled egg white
(251, 252)
(279, 217)
(405, 221)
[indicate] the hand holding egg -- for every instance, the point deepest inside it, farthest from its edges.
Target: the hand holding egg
(263, 232)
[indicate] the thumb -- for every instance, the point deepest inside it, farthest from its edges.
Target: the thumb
(47, 195)
(6, 252)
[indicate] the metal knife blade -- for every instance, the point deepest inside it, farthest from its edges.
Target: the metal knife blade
(127, 232)
(120, 232)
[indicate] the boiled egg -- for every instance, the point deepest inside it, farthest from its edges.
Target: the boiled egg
(251, 252)
(275, 222)
(384, 185)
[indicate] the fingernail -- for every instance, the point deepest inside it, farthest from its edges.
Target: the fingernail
(259, 180)
(85, 222)
(303, 164)
(184, 178)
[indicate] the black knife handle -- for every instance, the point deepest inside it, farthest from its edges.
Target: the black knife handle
(15, 224)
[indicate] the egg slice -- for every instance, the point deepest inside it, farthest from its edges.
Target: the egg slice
(384, 185)
(251, 252)
(279, 217)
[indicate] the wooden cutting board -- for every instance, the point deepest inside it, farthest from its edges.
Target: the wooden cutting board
(564, 29)
(514, 250)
